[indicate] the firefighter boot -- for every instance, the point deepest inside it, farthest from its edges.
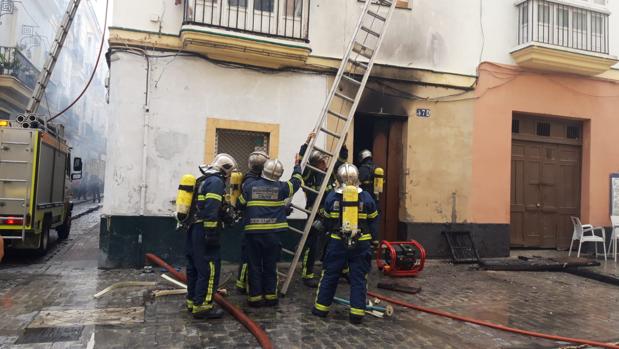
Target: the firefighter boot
(355, 319)
(189, 304)
(206, 311)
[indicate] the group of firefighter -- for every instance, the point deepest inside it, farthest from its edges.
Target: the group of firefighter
(262, 204)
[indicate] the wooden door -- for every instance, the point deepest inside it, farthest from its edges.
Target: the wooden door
(545, 192)
(388, 154)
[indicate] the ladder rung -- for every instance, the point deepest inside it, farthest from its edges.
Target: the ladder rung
(324, 151)
(282, 274)
(13, 199)
(13, 162)
(337, 115)
(359, 64)
(344, 97)
(370, 31)
(330, 133)
(351, 80)
(385, 2)
(12, 180)
(316, 169)
(296, 230)
(300, 209)
(16, 143)
(288, 251)
(376, 15)
(363, 50)
(309, 189)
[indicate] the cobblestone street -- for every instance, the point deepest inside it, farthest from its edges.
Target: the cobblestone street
(64, 282)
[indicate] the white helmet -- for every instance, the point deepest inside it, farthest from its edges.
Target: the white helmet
(257, 159)
(273, 170)
(347, 174)
(222, 163)
(364, 154)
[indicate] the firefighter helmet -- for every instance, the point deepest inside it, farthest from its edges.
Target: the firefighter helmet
(316, 157)
(348, 174)
(222, 163)
(273, 170)
(364, 154)
(257, 159)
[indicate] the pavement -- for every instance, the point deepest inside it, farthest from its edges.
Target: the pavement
(48, 302)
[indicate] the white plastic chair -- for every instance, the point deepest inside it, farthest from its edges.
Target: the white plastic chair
(614, 236)
(580, 231)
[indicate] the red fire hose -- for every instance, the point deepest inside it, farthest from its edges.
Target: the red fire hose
(254, 328)
(493, 325)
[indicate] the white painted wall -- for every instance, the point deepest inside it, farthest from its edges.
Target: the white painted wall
(188, 91)
(442, 35)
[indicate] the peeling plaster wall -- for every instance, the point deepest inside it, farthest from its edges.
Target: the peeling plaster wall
(188, 91)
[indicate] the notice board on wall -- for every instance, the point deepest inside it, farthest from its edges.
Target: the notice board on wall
(614, 194)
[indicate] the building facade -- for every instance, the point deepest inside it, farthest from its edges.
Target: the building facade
(27, 30)
(494, 117)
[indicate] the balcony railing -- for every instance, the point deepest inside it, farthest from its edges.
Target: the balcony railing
(14, 63)
(287, 19)
(558, 24)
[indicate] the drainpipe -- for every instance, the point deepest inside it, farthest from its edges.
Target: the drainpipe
(143, 185)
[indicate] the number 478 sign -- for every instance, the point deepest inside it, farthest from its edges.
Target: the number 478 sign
(423, 113)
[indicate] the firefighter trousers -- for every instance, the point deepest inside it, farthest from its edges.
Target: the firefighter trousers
(309, 254)
(241, 280)
(263, 251)
(203, 266)
(336, 258)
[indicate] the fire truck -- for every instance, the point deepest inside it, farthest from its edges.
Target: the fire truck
(35, 170)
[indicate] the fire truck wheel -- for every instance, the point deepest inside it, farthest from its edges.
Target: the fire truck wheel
(44, 243)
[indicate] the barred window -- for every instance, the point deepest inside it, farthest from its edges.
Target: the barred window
(240, 144)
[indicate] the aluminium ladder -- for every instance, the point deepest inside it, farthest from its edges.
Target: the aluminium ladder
(340, 106)
(48, 68)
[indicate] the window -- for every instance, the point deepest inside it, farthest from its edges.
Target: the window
(237, 3)
(579, 20)
(543, 13)
(515, 126)
(573, 132)
(240, 144)
(294, 7)
(524, 14)
(264, 5)
(563, 18)
(597, 24)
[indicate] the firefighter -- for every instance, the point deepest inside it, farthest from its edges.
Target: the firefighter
(202, 244)
(264, 204)
(367, 169)
(256, 164)
(313, 180)
(351, 237)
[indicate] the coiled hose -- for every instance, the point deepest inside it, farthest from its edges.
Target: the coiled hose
(254, 328)
(493, 325)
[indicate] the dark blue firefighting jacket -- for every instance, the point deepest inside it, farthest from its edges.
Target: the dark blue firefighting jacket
(264, 203)
(366, 176)
(314, 179)
(210, 197)
(332, 211)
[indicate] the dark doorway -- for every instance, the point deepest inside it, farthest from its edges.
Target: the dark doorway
(382, 134)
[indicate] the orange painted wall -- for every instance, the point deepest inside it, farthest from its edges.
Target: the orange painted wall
(503, 90)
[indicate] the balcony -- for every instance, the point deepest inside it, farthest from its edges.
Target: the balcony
(271, 33)
(15, 64)
(555, 35)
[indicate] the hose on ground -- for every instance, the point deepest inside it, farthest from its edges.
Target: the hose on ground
(493, 325)
(254, 328)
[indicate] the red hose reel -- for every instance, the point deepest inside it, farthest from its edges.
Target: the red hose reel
(400, 258)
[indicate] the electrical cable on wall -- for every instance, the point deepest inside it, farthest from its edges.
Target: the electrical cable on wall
(94, 70)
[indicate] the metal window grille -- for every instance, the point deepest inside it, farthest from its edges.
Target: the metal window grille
(543, 129)
(515, 126)
(240, 144)
(573, 132)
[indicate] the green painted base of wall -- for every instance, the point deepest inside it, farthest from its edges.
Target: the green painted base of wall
(123, 241)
